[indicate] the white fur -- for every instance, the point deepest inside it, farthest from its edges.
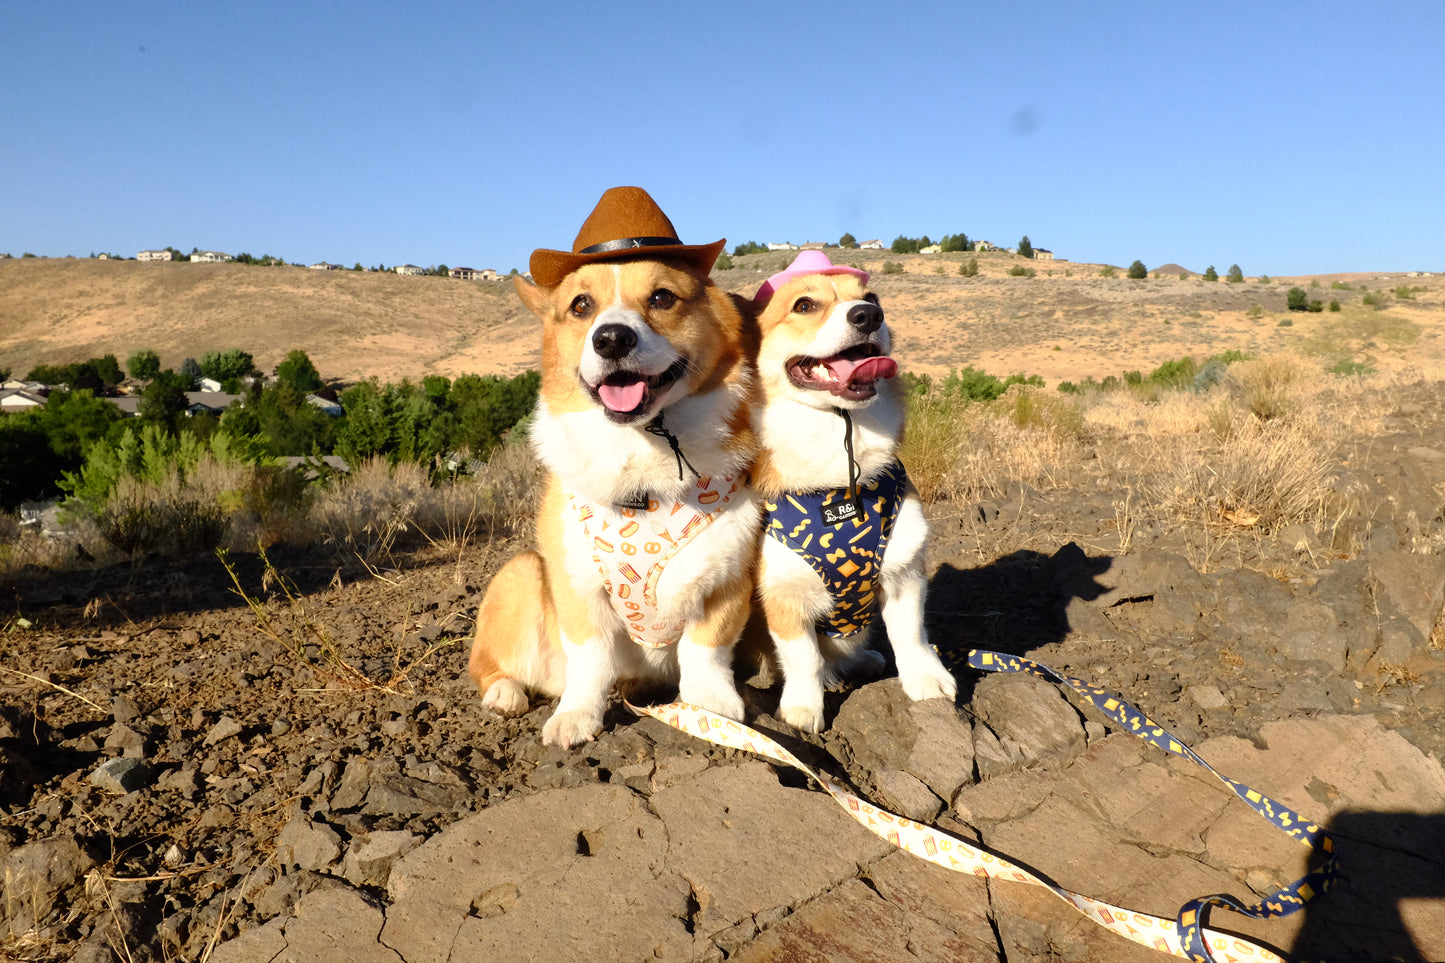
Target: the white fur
(804, 435)
(707, 678)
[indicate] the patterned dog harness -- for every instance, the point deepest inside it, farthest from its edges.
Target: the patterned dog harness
(633, 543)
(843, 545)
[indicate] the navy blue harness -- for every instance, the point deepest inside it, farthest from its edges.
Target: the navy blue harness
(842, 541)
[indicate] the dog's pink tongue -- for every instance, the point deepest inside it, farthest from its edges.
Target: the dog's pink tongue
(868, 370)
(622, 397)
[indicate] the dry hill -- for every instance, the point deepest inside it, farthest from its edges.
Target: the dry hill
(1066, 322)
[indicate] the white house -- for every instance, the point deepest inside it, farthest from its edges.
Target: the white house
(19, 399)
(1043, 254)
(874, 245)
(931, 249)
(983, 246)
(782, 247)
(325, 266)
(409, 269)
(332, 408)
(211, 257)
(209, 384)
(464, 273)
(153, 256)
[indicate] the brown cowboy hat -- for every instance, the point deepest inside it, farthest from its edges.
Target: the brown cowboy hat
(626, 223)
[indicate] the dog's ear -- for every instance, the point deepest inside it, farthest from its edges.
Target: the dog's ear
(532, 296)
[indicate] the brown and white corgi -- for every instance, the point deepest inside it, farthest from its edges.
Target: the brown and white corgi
(648, 529)
(845, 529)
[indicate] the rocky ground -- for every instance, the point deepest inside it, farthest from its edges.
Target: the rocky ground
(186, 777)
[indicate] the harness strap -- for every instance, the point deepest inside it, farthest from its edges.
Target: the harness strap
(1186, 936)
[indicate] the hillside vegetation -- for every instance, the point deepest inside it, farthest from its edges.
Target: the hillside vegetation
(1067, 322)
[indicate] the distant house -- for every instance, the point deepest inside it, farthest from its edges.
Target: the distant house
(209, 402)
(209, 384)
(464, 273)
(20, 399)
(129, 405)
(785, 246)
(873, 245)
(411, 269)
(487, 274)
(983, 246)
(332, 408)
(153, 256)
(1043, 254)
(931, 249)
(211, 257)
(813, 246)
(325, 266)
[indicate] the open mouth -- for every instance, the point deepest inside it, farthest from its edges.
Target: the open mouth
(852, 374)
(626, 394)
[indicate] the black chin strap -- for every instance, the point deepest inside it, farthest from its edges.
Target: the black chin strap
(855, 491)
(655, 427)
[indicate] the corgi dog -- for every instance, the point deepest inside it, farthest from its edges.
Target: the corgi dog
(844, 528)
(648, 528)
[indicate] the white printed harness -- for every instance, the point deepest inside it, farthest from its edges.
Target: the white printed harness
(632, 544)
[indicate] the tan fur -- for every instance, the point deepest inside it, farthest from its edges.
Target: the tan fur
(802, 450)
(541, 598)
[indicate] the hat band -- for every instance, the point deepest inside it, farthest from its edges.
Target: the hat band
(625, 243)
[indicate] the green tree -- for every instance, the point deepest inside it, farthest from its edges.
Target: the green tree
(228, 367)
(164, 400)
(109, 370)
(1235, 276)
(1297, 299)
(284, 420)
(1025, 248)
(952, 243)
(298, 370)
(724, 263)
(144, 364)
(1210, 274)
(191, 371)
(747, 247)
(1137, 271)
(847, 240)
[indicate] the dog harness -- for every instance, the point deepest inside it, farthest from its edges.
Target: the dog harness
(843, 539)
(632, 544)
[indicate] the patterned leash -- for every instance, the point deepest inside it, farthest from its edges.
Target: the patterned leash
(1186, 936)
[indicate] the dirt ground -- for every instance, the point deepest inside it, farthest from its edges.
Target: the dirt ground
(159, 732)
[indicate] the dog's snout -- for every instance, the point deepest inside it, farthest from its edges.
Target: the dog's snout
(866, 317)
(614, 341)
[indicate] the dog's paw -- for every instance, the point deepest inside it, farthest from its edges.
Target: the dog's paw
(506, 697)
(930, 682)
(568, 729)
(720, 698)
(802, 718)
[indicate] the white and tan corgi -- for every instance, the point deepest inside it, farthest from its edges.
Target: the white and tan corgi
(647, 530)
(845, 529)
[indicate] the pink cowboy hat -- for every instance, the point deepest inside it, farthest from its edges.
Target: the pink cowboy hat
(808, 262)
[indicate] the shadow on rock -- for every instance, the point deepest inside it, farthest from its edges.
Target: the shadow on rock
(1391, 872)
(1013, 605)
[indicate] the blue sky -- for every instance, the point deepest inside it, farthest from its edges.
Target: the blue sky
(1287, 138)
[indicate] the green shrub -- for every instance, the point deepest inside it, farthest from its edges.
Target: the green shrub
(1285, 323)
(969, 268)
(1372, 300)
(1137, 271)
(1347, 367)
(1210, 274)
(724, 263)
(1235, 275)
(892, 267)
(1334, 305)
(1108, 271)
(1255, 312)
(1405, 292)
(1019, 271)
(1174, 374)
(1316, 306)
(1339, 286)
(1264, 279)
(1296, 299)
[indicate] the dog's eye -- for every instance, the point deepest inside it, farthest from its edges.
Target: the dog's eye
(871, 298)
(662, 299)
(581, 306)
(804, 306)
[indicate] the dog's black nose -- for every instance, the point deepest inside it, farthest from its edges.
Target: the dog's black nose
(614, 341)
(866, 317)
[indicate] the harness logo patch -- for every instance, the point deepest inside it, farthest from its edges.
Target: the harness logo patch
(637, 501)
(839, 513)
